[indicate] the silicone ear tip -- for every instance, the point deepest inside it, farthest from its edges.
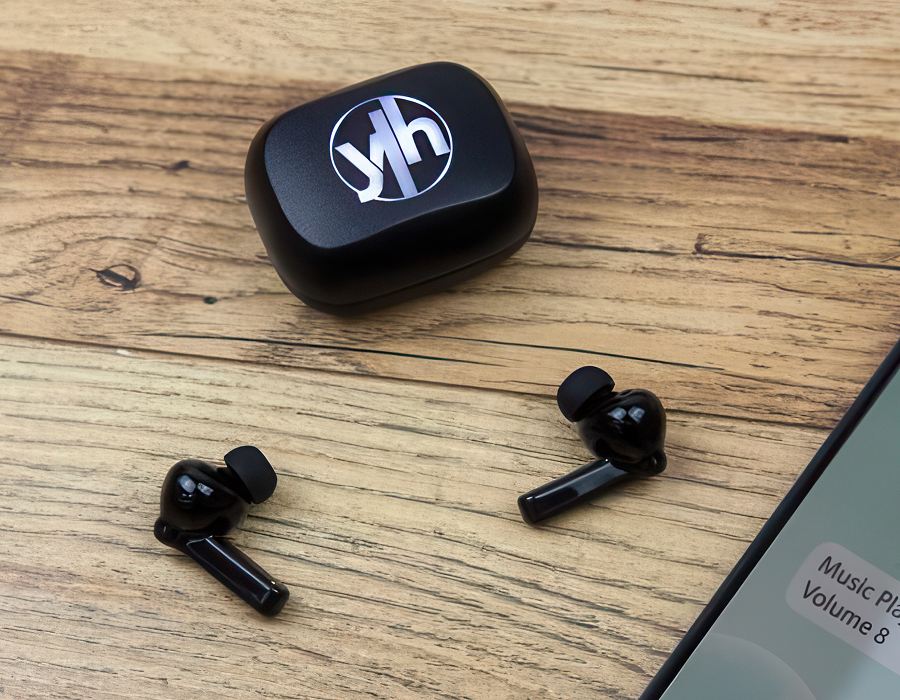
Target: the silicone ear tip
(579, 387)
(254, 472)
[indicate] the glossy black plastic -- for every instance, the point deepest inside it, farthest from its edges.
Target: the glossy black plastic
(200, 504)
(626, 430)
(343, 255)
(569, 490)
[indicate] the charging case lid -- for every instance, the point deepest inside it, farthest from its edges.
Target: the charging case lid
(391, 188)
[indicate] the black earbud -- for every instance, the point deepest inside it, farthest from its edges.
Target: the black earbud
(200, 504)
(626, 430)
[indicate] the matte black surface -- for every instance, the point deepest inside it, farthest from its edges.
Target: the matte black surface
(199, 504)
(342, 255)
(666, 674)
(254, 472)
(579, 388)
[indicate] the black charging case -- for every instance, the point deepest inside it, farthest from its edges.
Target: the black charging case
(389, 189)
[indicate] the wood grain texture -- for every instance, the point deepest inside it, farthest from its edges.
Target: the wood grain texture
(669, 244)
(824, 66)
(394, 524)
(719, 223)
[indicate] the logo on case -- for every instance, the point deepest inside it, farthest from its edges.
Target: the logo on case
(391, 148)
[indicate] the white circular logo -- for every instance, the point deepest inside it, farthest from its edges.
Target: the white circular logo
(391, 148)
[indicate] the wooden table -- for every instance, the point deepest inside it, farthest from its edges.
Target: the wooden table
(719, 222)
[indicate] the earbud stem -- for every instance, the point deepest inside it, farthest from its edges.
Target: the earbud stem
(562, 493)
(239, 573)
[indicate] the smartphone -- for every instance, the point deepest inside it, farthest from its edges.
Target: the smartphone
(812, 609)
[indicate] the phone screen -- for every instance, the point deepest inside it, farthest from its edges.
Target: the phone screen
(818, 617)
